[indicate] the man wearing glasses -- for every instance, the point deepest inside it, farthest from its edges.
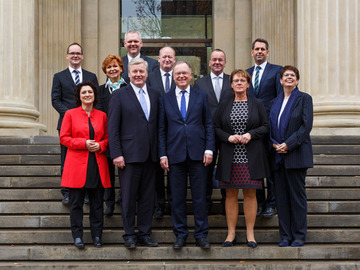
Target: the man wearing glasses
(62, 94)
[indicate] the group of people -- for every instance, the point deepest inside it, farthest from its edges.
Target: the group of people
(147, 119)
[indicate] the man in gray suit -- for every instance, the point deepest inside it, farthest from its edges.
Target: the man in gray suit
(62, 93)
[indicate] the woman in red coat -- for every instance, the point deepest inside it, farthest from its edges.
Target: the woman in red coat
(84, 133)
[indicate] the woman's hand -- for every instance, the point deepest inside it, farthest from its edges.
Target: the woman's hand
(245, 138)
(92, 146)
(234, 139)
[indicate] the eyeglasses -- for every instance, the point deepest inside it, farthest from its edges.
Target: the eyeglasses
(241, 80)
(289, 75)
(74, 53)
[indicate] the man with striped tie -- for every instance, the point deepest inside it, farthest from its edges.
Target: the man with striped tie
(265, 86)
(62, 93)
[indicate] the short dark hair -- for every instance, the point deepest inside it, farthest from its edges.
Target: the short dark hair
(292, 68)
(74, 43)
(77, 90)
(262, 41)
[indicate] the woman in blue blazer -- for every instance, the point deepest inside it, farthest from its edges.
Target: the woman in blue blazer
(291, 119)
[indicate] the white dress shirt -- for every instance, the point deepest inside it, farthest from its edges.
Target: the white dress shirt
(179, 95)
(221, 79)
(79, 72)
(263, 65)
(163, 77)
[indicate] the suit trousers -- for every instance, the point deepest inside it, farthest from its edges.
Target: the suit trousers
(197, 173)
(269, 200)
(291, 203)
(96, 217)
(109, 193)
(137, 181)
(160, 188)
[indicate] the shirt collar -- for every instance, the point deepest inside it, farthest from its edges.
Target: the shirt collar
(130, 58)
(263, 65)
(72, 69)
(213, 75)
(178, 90)
(163, 72)
(136, 89)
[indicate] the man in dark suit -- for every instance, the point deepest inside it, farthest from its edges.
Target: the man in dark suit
(62, 93)
(162, 80)
(186, 145)
(217, 86)
(133, 45)
(265, 86)
(132, 128)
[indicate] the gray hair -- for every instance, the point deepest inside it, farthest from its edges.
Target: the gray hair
(132, 32)
(137, 61)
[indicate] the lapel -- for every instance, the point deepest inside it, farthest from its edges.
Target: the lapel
(264, 76)
(159, 80)
(299, 96)
(69, 77)
(134, 100)
(152, 103)
(173, 101)
(209, 86)
(192, 99)
(227, 111)
(251, 87)
(226, 86)
(250, 111)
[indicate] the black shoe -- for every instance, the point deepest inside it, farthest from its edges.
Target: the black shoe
(109, 211)
(130, 243)
(66, 199)
(202, 242)
(251, 244)
(230, 243)
(259, 211)
(146, 241)
(179, 243)
(97, 242)
(86, 198)
(268, 212)
(158, 214)
(78, 242)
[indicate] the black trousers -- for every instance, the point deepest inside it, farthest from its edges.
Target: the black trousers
(160, 199)
(109, 193)
(96, 217)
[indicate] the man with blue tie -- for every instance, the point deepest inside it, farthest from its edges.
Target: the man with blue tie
(133, 129)
(265, 86)
(62, 94)
(186, 145)
(162, 80)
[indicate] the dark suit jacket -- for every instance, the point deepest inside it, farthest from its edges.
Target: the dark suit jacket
(205, 84)
(178, 138)
(155, 81)
(257, 125)
(152, 66)
(297, 134)
(104, 98)
(130, 134)
(270, 86)
(62, 92)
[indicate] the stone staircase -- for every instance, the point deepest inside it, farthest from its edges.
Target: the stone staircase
(35, 231)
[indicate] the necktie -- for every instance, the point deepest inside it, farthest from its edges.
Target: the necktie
(143, 103)
(183, 105)
(77, 77)
(217, 88)
(256, 83)
(167, 82)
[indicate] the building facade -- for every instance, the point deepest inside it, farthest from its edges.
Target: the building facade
(320, 37)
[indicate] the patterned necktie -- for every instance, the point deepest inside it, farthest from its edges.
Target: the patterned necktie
(77, 77)
(217, 88)
(183, 105)
(143, 103)
(256, 83)
(167, 82)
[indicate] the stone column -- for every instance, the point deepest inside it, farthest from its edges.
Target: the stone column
(19, 111)
(328, 45)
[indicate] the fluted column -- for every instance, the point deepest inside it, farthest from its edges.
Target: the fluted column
(19, 68)
(328, 58)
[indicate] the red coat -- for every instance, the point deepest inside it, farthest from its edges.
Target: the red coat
(74, 133)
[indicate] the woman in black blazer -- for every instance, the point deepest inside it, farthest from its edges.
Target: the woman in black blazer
(113, 68)
(241, 125)
(291, 118)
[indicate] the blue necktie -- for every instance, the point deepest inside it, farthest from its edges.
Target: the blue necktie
(256, 83)
(143, 103)
(167, 82)
(77, 77)
(183, 105)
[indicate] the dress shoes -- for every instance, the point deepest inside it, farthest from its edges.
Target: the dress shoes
(146, 241)
(259, 211)
(66, 200)
(158, 213)
(268, 213)
(284, 243)
(97, 242)
(130, 243)
(297, 243)
(86, 198)
(251, 244)
(109, 211)
(230, 243)
(202, 242)
(179, 243)
(78, 242)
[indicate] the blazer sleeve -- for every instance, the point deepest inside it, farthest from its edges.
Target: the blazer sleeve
(66, 137)
(299, 136)
(209, 125)
(56, 96)
(162, 143)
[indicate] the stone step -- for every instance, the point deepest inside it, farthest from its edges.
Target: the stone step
(50, 207)
(30, 159)
(335, 140)
(336, 159)
(215, 221)
(54, 181)
(239, 264)
(25, 140)
(336, 149)
(55, 194)
(336, 170)
(31, 149)
(189, 253)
